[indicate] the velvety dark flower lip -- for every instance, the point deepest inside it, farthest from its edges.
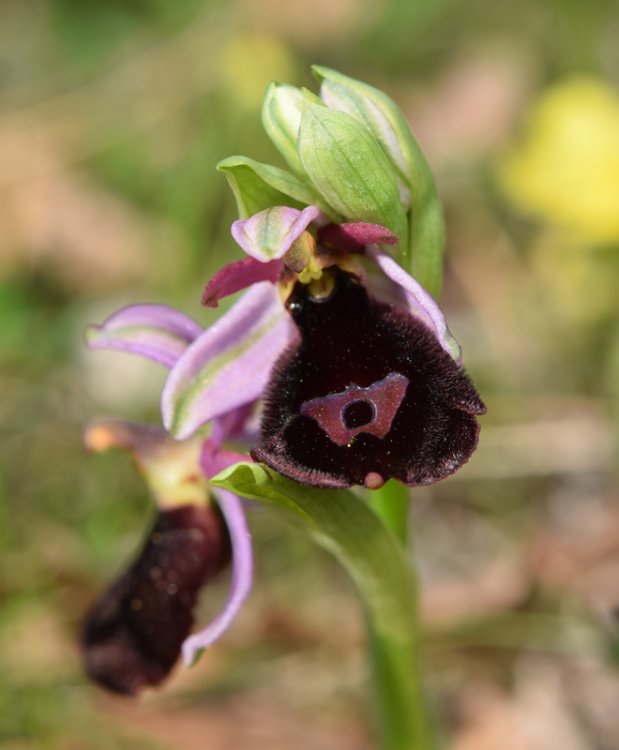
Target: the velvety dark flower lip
(133, 634)
(417, 405)
(138, 629)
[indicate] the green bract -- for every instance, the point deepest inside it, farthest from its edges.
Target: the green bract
(388, 125)
(281, 117)
(352, 154)
(258, 186)
(343, 524)
(349, 168)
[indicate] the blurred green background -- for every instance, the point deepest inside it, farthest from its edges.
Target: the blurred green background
(113, 115)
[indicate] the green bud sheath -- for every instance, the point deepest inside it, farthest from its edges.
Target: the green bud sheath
(350, 170)
(257, 186)
(281, 117)
(378, 112)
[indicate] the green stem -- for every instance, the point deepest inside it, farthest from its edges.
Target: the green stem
(400, 700)
(397, 676)
(379, 565)
(392, 502)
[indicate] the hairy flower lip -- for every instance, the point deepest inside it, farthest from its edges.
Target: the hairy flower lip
(133, 634)
(432, 431)
(122, 651)
(139, 622)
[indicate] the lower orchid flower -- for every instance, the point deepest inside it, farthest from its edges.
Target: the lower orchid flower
(135, 632)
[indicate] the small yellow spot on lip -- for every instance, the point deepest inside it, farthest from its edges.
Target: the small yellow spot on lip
(136, 605)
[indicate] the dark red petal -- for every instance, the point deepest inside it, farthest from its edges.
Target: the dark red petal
(239, 275)
(354, 236)
(414, 407)
(134, 632)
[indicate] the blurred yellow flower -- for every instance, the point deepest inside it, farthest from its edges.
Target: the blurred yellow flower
(566, 169)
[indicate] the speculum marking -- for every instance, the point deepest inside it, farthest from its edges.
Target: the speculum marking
(357, 409)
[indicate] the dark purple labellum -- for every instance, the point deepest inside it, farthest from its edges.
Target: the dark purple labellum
(134, 632)
(366, 394)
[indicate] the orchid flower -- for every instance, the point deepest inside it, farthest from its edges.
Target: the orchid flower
(370, 385)
(136, 631)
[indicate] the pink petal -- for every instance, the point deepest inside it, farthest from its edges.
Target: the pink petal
(242, 577)
(229, 364)
(418, 301)
(239, 275)
(158, 332)
(270, 233)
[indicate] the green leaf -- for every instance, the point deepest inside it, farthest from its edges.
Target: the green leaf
(342, 523)
(349, 169)
(256, 183)
(256, 188)
(380, 114)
